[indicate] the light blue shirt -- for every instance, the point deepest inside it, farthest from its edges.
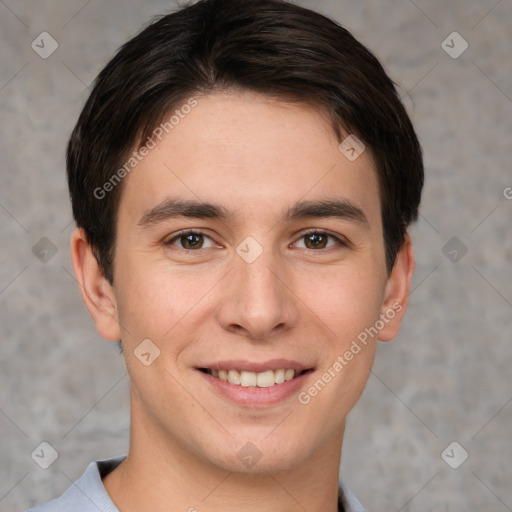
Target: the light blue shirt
(88, 494)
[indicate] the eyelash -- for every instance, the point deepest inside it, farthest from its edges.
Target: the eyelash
(339, 241)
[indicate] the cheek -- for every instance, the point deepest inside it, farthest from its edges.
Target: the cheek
(345, 310)
(347, 300)
(156, 300)
(147, 301)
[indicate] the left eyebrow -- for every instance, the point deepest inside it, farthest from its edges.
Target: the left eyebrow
(341, 209)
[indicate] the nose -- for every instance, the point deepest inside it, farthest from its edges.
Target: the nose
(257, 300)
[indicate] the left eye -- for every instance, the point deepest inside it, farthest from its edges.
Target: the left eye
(191, 240)
(319, 240)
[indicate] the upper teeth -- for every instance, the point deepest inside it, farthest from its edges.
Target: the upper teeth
(262, 380)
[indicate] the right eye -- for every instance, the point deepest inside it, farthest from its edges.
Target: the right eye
(190, 240)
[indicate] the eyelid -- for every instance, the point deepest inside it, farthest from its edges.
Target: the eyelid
(172, 238)
(340, 240)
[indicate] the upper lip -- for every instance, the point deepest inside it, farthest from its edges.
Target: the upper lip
(257, 367)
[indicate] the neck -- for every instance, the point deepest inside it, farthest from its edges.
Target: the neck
(163, 473)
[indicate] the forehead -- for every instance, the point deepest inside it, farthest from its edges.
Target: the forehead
(252, 154)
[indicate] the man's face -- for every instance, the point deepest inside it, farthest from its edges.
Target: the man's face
(214, 298)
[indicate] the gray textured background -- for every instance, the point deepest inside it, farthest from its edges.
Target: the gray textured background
(446, 378)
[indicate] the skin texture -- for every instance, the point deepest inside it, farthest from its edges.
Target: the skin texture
(257, 157)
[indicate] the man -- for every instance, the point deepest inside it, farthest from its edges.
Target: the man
(242, 178)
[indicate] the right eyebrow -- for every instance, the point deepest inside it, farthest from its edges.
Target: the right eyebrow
(174, 207)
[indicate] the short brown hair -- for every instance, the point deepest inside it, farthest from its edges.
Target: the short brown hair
(268, 46)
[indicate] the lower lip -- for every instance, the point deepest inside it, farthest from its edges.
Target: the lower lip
(253, 396)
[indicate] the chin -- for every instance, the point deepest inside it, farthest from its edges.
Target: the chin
(260, 457)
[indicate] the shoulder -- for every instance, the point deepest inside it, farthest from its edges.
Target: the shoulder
(87, 493)
(348, 500)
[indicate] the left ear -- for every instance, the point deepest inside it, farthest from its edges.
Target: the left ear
(396, 294)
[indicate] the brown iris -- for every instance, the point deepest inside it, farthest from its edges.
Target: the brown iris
(317, 240)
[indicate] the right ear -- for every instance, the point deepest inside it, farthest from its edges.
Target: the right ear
(97, 292)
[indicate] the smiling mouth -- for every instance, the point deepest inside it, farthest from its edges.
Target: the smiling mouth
(263, 379)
